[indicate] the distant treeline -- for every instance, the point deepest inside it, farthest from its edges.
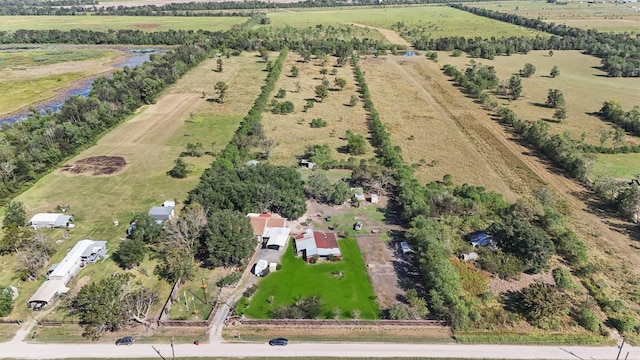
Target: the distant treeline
(620, 53)
(68, 7)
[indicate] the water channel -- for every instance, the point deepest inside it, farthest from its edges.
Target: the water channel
(80, 88)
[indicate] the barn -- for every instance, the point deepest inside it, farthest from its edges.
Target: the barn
(317, 243)
(51, 220)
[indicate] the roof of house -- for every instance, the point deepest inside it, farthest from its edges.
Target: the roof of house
(94, 248)
(161, 212)
(276, 235)
(48, 290)
(260, 222)
(71, 259)
(317, 243)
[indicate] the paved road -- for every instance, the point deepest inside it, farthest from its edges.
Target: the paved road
(56, 351)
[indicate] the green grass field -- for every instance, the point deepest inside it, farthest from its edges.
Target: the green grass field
(602, 16)
(619, 166)
(28, 76)
(299, 279)
(39, 57)
(445, 21)
(104, 23)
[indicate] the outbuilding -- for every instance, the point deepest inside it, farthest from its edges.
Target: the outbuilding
(51, 220)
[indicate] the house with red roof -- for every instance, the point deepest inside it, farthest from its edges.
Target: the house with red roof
(311, 243)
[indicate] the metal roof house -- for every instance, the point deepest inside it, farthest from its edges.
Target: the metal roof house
(161, 213)
(312, 243)
(51, 220)
(84, 252)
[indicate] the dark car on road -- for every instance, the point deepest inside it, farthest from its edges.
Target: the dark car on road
(127, 340)
(278, 342)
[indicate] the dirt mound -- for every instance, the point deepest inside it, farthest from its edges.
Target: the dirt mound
(96, 165)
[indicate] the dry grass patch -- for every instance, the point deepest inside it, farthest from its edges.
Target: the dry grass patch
(360, 332)
(602, 16)
(293, 132)
(585, 89)
(426, 127)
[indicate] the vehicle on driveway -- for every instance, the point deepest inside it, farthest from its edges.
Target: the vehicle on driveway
(127, 340)
(278, 342)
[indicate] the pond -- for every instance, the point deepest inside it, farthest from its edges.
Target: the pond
(80, 88)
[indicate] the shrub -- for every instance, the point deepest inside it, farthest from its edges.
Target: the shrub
(587, 319)
(281, 93)
(250, 291)
(563, 278)
(230, 279)
(318, 123)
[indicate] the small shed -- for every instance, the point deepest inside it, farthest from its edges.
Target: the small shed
(374, 198)
(161, 213)
(308, 164)
(51, 220)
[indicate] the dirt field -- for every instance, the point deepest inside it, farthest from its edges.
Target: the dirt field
(96, 165)
(391, 35)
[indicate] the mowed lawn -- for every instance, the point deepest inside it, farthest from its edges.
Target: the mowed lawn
(150, 142)
(602, 16)
(296, 279)
(293, 132)
(104, 23)
(443, 20)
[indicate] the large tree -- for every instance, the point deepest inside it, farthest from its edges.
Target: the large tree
(529, 243)
(228, 238)
(145, 229)
(555, 99)
(110, 303)
(35, 254)
(515, 86)
(6, 301)
(175, 264)
(131, 253)
(321, 92)
(543, 305)
(221, 88)
(184, 231)
(15, 215)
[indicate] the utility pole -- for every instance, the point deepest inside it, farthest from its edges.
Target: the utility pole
(173, 353)
(158, 351)
(619, 351)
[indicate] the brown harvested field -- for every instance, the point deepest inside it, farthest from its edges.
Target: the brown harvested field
(585, 89)
(425, 126)
(293, 133)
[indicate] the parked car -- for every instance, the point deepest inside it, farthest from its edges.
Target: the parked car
(278, 342)
(127, 340)
(357, 226)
